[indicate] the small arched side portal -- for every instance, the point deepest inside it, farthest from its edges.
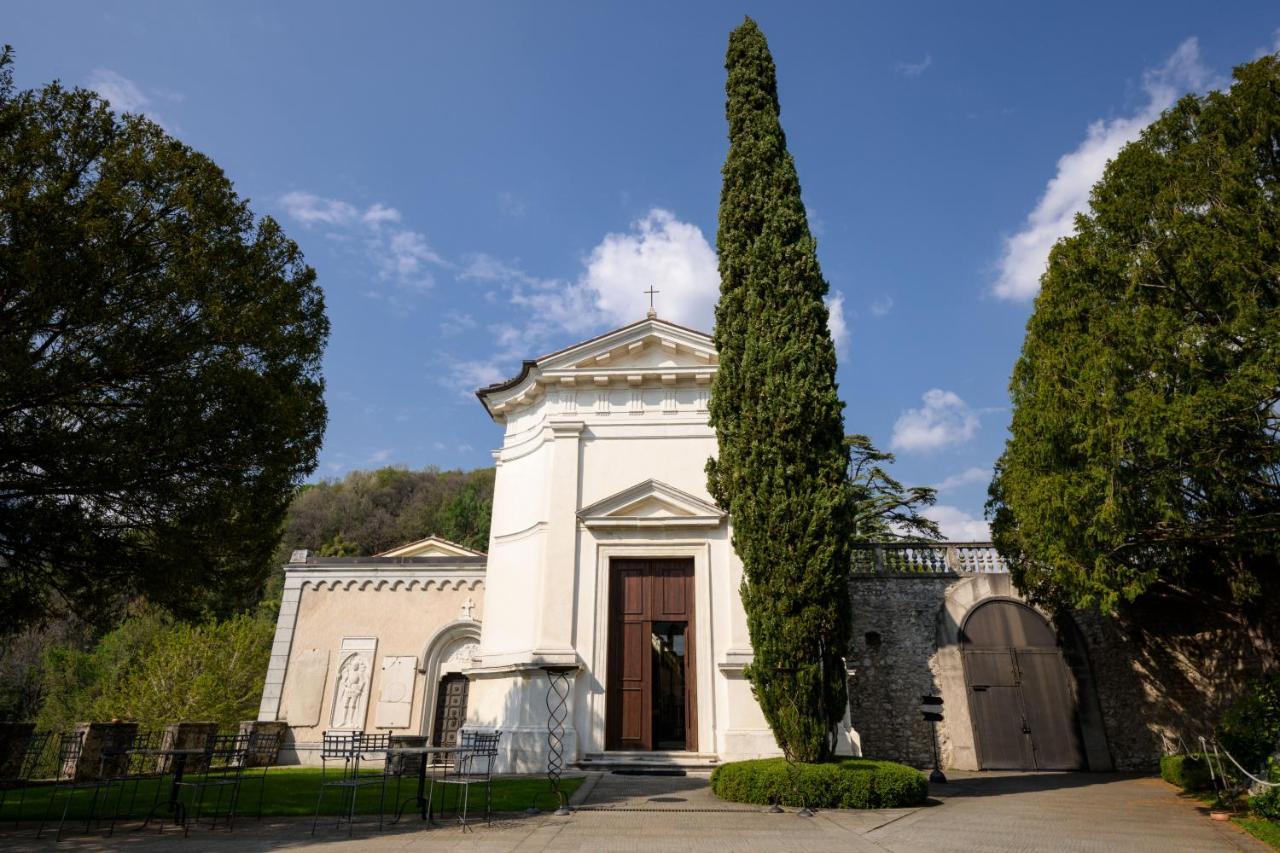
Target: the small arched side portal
(1021, 700)
(444, 706)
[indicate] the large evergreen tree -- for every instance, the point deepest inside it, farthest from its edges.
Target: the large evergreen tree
(781, 470)
(1144, 449)
(160, 388)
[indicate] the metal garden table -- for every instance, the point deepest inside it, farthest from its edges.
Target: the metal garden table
(179, 765)
(424, 752)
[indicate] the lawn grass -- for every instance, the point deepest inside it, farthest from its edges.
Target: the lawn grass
(1266, 831)
(291, 792)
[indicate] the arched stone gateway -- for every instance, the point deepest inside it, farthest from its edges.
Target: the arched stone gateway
(1017, 684)
(941, 632)
(1019, 689)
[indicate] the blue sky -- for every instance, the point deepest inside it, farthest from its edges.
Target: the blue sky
(484, 182)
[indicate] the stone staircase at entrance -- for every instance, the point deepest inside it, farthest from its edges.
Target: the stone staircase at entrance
(640, 760)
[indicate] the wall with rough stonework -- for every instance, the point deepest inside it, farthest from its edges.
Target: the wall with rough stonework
(1166, 671)
(892, 645)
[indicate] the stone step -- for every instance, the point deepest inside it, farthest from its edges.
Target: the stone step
(638, 760)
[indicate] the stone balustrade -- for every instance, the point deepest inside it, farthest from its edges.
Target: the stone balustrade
(929, 558)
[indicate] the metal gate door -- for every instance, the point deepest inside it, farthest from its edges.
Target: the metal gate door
(451, 709)
(1020, 697)
(995, 703)
(1050, 709)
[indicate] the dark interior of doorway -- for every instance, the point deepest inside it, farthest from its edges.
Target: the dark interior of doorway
(668, 642)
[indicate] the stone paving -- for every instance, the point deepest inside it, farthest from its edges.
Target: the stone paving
(974, 812)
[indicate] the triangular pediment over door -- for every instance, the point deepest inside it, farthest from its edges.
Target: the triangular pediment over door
(651, 503)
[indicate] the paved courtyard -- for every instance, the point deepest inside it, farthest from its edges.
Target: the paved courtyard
(975, 812)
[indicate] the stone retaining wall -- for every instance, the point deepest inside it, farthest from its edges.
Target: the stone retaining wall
(1139, 690)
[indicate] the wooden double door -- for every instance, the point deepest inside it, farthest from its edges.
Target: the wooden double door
(1020, 695)
(650, 700)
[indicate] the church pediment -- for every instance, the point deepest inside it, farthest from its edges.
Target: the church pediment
(432, 546)
(651, 504)
(649, 352)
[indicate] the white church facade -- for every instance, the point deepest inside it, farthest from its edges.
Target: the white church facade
(607, 557)
(608, 562)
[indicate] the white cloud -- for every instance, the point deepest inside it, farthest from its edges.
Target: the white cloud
(310, 209)
(658, 250)
(817, 226)
(835, 320)
(126, 96)
(456, 322)
(121, 92)
(1067, 194)
(958, 525)
(661, 251)
(944, 420)
(881, 307)
(380, 456)
(466, 376)
(914, 69)
(402, 256)
(482, 267)
(379, 213)
(967, 477)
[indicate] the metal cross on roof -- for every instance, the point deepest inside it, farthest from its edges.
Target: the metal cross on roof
(652, 311)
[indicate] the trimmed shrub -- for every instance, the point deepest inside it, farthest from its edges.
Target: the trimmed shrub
(852, 783)
(1188, 772)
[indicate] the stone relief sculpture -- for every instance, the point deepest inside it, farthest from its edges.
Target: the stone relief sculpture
(464, 654)
(352, 687)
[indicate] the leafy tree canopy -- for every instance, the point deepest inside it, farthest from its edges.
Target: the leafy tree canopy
(371, 511)
(155, 670)
(1144, 438)
(160, 388)
(781, 471)
(883, 508)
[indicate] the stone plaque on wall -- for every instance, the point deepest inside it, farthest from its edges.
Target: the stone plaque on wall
(395, 692)
(354, 674)
(304, 688)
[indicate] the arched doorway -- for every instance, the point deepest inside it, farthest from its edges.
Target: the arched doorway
(1020, 697)
(447, 654)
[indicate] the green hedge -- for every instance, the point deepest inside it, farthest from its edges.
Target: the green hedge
(1188, 772)
(854, 783)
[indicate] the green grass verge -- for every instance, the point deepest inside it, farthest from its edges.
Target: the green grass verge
(1266, 831)
(851, 783)
(289, 792)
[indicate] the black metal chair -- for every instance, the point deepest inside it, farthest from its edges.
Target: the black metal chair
(341, 754)
(263, 753)
(221, 769)
(473, 766)
(25, 756)
(70, 748)
(138, 765)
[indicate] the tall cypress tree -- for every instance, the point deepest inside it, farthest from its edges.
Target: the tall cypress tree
(781, 471)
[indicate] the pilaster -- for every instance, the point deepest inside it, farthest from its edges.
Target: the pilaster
(559, 562)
